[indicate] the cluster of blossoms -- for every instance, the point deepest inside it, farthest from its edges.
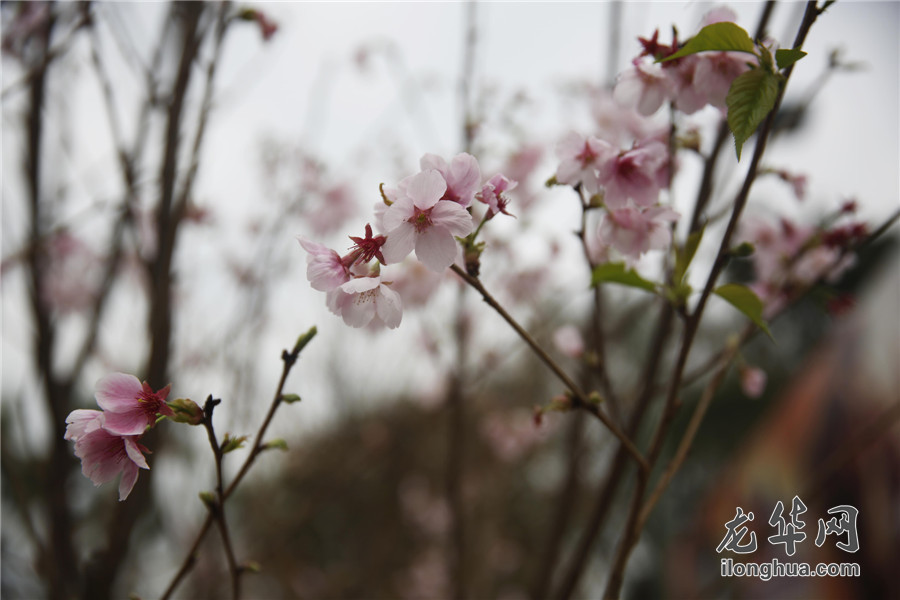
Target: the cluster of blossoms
(108, 441)
(425, 214)
(627, 183)
(789, 257)
(690, 82)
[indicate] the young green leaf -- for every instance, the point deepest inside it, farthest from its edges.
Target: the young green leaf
(617, 273)
(721, 37)
(788, 56)
(684, 256)
(751, 97)
(743, 299)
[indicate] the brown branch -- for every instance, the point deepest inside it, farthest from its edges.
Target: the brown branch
(579, 399)
(217, 507)
(288, 360)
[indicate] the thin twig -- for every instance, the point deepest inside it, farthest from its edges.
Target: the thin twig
(690, 433)
(288, 359)
(579, 398)
(217, 508)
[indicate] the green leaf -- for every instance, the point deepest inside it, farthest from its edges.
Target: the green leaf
(720, 37)
(684, 256)
(788, 56)
(304, 339)
(751, 97)
(277, 443)
(290, 398)
(743, 299)
(743, 250)
(617, 273)
(232, 443)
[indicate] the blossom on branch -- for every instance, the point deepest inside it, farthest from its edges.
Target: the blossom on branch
(361, 300)
(580, 158)
(130, 406)
(633, 230)
(462, 176)
(419, 219)
(105, 455)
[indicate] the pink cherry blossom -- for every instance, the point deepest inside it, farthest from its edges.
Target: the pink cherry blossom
(632, 231)
(714, 73)
(361, 300)
(689, 95)
(753, 381)
(324, 267)
(644, 87)
(103, 454)
(579, 159)
(421, 220)
(130, 407)
(718, 14)
(568, 340)
(462, 176)
(637, 174)
(492, 194)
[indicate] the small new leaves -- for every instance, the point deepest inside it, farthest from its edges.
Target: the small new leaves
(788, 56)
(743, 299)
(618, 273)
(277, 443)
(232, 443)
(742, 250)
(684, 256)
(304, 339)
(208, 499)
(751, 98)
(290, 398)
(719, 37)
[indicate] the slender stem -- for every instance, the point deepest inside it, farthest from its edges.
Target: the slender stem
(579, 398)
(288, 359)
(217, 508)
(598, 337)
(690, 433)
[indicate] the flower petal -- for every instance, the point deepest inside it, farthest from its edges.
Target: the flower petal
(436, 248)
(453, 217)
(129, 478)
(127, 423)
(81, 422)
(134, 453)
(389, 307)
(425, 189)
(118, 392)
(400, 242)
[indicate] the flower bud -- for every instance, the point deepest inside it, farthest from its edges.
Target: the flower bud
(186, 411)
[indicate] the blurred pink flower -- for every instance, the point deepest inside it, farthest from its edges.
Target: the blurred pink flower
(644, 87)
(359, 301)
(568, 340)
(69, 282)
(753, 381)
(130, 406)
(492, 194)
(714, 73)
(637, 174)
(103, 454)
(420, 219)
(462, 176)
(579, 159)
(632, 231)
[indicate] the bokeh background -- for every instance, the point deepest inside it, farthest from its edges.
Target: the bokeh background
(302, 110)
